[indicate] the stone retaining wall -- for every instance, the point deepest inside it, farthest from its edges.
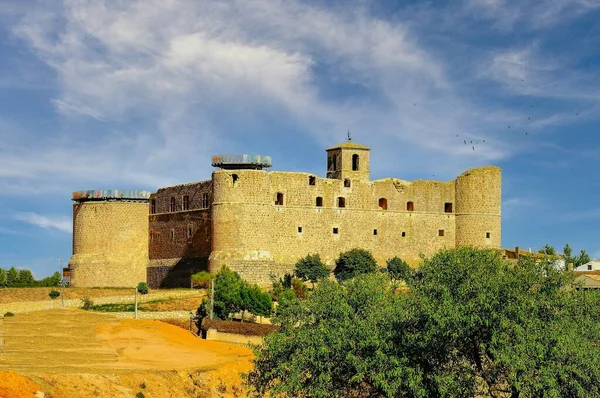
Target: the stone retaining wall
(157, 315)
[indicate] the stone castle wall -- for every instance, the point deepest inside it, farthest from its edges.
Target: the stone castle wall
(110, 243)
(250, 228)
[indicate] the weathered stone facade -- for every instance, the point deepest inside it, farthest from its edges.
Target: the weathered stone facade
(110, 243)
(260, 223)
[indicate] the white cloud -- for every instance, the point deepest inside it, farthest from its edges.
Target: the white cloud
(59, 223)
(162, 82)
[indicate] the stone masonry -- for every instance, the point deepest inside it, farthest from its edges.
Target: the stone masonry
(260, 223)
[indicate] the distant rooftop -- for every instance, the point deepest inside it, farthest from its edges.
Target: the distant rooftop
(236, 162)
(111, 194)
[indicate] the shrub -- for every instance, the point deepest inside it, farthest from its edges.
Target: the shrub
(311, 268)
(142, 288)
(353, 263)
(140, 395)
(9, 314)
(398, 269)
(54, 294)
(202, 279)
(87, 303)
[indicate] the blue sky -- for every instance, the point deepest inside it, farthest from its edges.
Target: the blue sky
(140, 94)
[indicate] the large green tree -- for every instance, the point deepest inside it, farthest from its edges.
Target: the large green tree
(26, 278)
(398, 269)
(2, 277)
(233, 294)
(311, 268)
(582, 258)
(471, 324)
(12, 277)
(353, 263)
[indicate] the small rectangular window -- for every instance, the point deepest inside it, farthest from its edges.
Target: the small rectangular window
(347, 183)
(172, 235)
(172, 205)
(335, 231)
(447, 207)
(441, 232)
(410, 206)
(375, 232)
(186, 202)
(190, 232)
(319, 201)
(279, 199)
(341, 202)
(205, 200)
(153, 206)
(589, 267)
(312, 180)
(487, 235)
(403, 234)
(299, 230)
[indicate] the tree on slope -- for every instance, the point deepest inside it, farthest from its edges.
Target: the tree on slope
(311, 268)
(471, 324)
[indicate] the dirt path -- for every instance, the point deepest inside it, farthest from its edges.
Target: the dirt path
(70, 352)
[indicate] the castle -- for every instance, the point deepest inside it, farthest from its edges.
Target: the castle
(259, 223)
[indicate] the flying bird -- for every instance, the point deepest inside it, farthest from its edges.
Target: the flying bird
(509, 126)
(473, 148)
(465, 141)
(414, 104)
(529, 117)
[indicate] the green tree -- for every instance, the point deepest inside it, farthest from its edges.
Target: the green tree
(202, 279)
(353, 263)
(398, 269)
(547, 249)
(54, 294)
(471, 324)
(142, 288)
(311, 268)
(567, 253)
(253, 299)
(227, 293)
(336, 343)
(12, 277)
(26, 278)
(3, 281)
(582, 258)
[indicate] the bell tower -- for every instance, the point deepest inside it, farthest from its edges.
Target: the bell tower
(348, 161)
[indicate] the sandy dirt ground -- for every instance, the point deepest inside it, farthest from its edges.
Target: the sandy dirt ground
(74, 353)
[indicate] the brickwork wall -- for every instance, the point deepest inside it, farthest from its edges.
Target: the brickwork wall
(110, 244)
(180, 241)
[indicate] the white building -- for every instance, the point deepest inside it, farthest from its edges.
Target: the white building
(593, 265)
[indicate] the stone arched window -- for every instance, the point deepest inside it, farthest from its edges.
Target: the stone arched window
(410, 206)
(355, 162)
(172, 205)
(382, 203)
(319, 201)
(341, 201)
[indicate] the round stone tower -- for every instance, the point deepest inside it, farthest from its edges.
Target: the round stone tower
(478, 207)
(110, 238)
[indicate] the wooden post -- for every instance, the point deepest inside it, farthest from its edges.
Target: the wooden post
(212, 297)
(135, 315)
